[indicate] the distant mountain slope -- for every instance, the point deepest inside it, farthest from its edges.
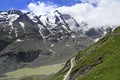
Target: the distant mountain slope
(27, 40)
(100, 61)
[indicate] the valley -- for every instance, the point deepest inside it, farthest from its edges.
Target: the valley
(51, 47)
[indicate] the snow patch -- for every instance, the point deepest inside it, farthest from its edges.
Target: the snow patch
(104, 33)
(22, 25)
(72, 24)
(73, 36)
(40, 29)
(12, 18)
(3, 13)
(96, 40)
(52, 51)
(43, 19)
(19, 40)
(32, 17)
(16, 32)
(68, 45)
(52, 45)
(28, 39)
(1, 16)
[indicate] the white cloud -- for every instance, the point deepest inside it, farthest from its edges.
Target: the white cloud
(106, 13)
(41, 8)
(91, 1)
(78, 11)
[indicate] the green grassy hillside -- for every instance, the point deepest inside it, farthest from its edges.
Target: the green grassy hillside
(100, 61)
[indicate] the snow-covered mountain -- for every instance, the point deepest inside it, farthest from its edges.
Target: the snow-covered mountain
(47, 25)
(30, 40)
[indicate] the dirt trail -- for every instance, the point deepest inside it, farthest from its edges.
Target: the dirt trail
(67, 76)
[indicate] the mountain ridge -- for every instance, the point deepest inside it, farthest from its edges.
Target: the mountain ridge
(97, 62)
(27, 40)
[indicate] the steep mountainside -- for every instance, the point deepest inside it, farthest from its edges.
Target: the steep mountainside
(100, 61)
(27, 40)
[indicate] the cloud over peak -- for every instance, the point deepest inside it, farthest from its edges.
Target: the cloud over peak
(41, 8)
(105, 13)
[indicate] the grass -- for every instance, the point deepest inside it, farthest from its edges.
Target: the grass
(43, 70)
(100, 61)
(109, 69)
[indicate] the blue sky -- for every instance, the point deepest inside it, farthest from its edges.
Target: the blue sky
(94, 12)
(16, 4)
(22, 4)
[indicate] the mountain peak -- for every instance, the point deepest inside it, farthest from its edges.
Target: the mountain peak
(14, 12)
(57, 12)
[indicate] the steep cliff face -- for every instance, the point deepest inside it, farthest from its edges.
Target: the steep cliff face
(100, 61)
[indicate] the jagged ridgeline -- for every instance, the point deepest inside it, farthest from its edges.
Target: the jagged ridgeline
(100, 61)
(27, 40)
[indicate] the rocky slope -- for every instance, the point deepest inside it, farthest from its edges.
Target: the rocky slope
(27, 40)
(100, 61)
